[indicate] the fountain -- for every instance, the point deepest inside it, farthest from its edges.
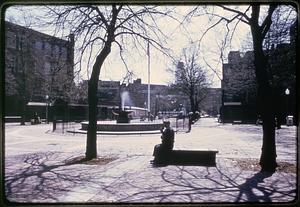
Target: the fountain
(123, 115)
(123, 124)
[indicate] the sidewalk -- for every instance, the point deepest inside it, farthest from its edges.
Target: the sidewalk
(38, 168)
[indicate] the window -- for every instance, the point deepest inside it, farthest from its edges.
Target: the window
(20, 42)
(17, 65)
(52, 50)
(34, 66)
(57, 49)
(11, 64)
(38, 45)
(63, 52)
(17, 42)
(10, 40)
(32, 44)
(47, 67)
(47, 46)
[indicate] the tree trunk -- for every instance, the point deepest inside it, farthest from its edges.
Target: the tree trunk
(23, 118)
(197, 105)
(91, 143)
(265, 99)
(192, 103)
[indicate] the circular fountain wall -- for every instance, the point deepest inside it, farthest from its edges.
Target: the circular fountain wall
(123, 123)
(133, 126)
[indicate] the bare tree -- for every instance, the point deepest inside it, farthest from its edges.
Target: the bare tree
(98, 28)
(190, 77)
(260, 21)
(79, 93)
(278, 33)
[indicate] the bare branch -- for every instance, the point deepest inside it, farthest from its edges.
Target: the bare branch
(268, 20)
(239, 13)
(214, 70)
(103, 19)
(129, 73)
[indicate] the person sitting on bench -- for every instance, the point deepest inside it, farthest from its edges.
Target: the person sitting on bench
(162, 151)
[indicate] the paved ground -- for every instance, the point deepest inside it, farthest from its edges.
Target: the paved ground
(38, 167)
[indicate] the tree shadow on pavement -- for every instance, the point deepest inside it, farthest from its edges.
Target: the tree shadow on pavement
(184, 184)
(40, 177)
(44, 177)
(251, 185)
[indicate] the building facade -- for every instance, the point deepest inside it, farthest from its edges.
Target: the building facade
(239, 98)
(212, 101)
(162, 97)
(37, 67)
(165, 98)
(138, 95)
(109, 93)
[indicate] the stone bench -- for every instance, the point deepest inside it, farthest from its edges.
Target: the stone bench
(10, 119)
(191, 157)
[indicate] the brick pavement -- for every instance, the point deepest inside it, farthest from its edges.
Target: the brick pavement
(37, 176)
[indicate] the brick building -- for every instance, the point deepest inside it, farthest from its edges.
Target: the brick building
(138, 94)
(239, 100)
(135, 94)
(36, 65)
(109, 93)
(165, 98)
(212, 101)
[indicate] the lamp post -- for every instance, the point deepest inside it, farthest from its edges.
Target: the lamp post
(145, 107)
(47, 98)
(156, 104)
(172, 105)
(148, 98)
(287, 93)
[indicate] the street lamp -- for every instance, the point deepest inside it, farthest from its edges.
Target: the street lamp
(156, 104)
(287, 93)
(145, 107)
(47, 98)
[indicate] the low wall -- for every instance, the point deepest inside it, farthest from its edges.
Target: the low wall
(124, 126)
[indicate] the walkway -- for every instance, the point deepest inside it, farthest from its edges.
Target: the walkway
(38, 167)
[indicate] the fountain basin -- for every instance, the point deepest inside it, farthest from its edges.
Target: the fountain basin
(125, 127)
(123, 116)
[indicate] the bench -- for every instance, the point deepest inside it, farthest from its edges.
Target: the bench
(237, 122)
(33, 121)
(10, 119)
(191, 157)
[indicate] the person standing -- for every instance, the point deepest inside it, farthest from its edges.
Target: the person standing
(190, 115)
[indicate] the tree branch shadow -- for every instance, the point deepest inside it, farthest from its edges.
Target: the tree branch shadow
(41, 178)
(251, 184)
(207, 185)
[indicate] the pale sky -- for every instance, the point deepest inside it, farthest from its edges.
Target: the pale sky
(114, 69)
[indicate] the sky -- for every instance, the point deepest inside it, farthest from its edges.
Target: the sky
(160, 65)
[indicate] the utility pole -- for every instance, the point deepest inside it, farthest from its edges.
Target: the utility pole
(148, 54)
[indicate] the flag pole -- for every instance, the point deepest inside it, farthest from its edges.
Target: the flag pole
(148, 53)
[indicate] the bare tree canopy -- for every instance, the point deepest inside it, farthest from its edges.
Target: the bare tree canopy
(101, 29)
(93, 25)
(260, 19)
(97, 28)
(190, 77)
